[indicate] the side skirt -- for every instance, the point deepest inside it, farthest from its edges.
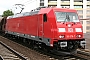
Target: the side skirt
(32, 37)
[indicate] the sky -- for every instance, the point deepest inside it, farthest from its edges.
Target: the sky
(10, 4)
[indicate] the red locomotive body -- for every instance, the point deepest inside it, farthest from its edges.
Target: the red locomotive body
(58, 28)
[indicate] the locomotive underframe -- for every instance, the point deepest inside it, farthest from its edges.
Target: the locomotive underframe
(71, 48)
(71, 45)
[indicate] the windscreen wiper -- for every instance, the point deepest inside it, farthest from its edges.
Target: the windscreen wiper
(67, 18)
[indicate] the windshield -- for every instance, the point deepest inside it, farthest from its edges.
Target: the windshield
(66, 17)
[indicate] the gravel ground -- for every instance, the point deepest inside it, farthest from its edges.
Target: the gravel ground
(32, 55)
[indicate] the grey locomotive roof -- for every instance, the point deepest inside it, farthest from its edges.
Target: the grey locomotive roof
(23, 14)
(33, 12)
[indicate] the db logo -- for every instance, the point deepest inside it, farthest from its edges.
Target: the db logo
(70, 29)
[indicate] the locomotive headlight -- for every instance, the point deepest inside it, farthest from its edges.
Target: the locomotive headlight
(62, 36)
(63, 44)
(79, 36)
(78, 29)
(83, 43)
(61, 30)
(69, 25)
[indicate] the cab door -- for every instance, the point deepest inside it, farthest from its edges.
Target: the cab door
(40, 26)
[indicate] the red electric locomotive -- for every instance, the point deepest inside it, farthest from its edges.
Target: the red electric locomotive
(56, 28)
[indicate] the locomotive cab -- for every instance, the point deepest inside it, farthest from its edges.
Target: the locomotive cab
(66, 33)
(69, 31)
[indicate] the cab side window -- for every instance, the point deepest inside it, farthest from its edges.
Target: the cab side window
(45, 17)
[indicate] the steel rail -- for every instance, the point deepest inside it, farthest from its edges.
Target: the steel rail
(1, 58)
(13, 51)
(83, 53)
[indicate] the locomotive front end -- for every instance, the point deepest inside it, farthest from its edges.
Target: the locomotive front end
(70, 32)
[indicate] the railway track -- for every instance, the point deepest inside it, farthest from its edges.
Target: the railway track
(81, 55)
(1, 58)
(9, 54)
(70, 57)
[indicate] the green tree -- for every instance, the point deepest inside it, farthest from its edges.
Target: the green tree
(7, 13)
